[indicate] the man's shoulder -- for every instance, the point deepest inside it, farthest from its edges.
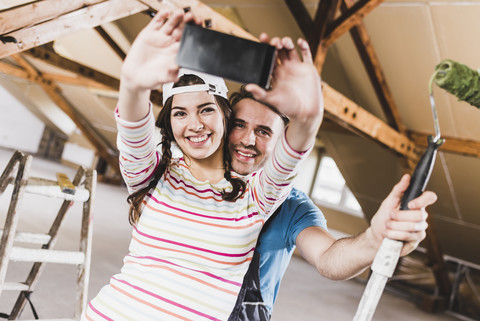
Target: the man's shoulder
(297, 195)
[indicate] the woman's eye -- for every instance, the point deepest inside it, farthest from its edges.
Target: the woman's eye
(207, 110)
(179, 114)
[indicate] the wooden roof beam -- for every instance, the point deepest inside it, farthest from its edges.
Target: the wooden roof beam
(102, 147)
(115, 47)
(349, 115)
(204, 12)
(453, 145)
(47, 54)
(325, 14)
(370, 60)
(301, 15)
(87, 17)
(352, 17)
(36, 12)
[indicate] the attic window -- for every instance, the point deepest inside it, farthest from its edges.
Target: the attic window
(331, 191)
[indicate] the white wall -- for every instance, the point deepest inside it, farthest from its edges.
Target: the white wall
(19, 128)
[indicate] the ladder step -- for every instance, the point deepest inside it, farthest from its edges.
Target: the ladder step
(21, 254)
(15, 286)
(31, 238)
(52, 189)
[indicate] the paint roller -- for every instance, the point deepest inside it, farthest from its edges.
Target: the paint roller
(464, 83)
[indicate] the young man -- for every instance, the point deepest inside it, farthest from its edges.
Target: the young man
(299, 223)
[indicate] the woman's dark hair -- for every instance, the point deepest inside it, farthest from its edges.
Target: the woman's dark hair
(237, 96)
(164, 123)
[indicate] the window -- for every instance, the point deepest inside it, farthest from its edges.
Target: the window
(330, 189)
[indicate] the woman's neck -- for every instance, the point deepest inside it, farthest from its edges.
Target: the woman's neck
(208, 169)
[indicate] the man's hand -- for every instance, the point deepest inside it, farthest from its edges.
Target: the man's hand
(407, 225)
(296, 91)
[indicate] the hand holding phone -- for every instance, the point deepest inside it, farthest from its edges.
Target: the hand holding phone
(226, 56)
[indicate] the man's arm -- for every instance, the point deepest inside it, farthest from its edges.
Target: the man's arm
(347, 257)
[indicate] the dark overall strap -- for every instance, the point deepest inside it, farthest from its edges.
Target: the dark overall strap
(249, 305)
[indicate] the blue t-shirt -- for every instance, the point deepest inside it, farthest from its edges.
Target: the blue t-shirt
(276, 243)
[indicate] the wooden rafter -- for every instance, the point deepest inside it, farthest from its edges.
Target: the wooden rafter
(102, 147)
(454, 145)
(301, 15)
(353, 16)
(115, 47)
(87, 17)
(325, 13)
(375, 73)
(47, 54)
(31, 14)
(334, 112)
(204, 12)
(356, 119)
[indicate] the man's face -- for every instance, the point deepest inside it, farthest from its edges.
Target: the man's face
(254, 134)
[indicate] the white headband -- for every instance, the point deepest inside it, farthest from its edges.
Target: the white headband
(213, 85)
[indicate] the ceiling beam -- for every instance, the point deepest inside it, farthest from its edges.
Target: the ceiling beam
(353, 16)
(87, 17)
(204, 12)
(349, 115)
(47, 54)
(9, 69)
(325, 14)
(115, 47)
(453, 145)
(301, 15)
(370, 60)
(102, 147)
(36, 12)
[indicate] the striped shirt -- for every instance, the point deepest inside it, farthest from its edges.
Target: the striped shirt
(190, 249)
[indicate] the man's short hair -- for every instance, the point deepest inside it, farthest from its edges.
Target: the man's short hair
(237, 96)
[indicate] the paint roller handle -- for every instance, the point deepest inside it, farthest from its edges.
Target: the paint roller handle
(422, 172)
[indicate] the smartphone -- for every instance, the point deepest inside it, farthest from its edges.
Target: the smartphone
(220, 54)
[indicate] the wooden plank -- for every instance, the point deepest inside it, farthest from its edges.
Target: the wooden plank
(47, 54)
(325, 13)
(454, 145)
(115, 47)
(85, 18)
(37, 12)
(201, 10)
(102, 146)
(94, 77)
(76, 80)
(375, 73)
(12, 70)
(356, 119)
(301, 15)
(348, 19)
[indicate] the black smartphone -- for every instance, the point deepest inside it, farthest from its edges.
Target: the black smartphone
(226, 56)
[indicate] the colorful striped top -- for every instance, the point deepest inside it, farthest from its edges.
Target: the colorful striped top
(190, 249)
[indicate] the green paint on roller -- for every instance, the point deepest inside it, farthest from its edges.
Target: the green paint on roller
(459, 80)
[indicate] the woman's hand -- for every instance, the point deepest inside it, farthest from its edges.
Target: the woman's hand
(151, 60)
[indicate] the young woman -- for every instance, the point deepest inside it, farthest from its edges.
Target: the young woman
(195, 224)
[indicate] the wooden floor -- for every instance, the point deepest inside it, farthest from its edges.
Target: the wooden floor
(304, 294)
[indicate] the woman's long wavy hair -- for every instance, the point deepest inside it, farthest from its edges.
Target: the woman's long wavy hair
(164, 123)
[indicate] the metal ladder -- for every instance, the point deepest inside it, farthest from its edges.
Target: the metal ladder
(82, 189)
